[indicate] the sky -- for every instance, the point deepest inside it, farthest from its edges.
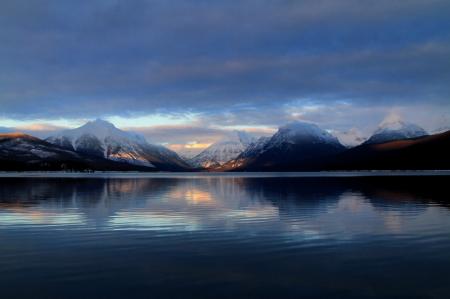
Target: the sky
(185, 73)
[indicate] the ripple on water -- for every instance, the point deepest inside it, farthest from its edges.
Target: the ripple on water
(289, 236)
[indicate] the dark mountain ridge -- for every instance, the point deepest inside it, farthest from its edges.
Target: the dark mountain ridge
(428, 152)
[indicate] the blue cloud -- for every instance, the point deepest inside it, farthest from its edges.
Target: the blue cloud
(101, 58)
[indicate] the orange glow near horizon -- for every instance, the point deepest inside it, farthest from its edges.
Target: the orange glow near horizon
(39, 127)
(198, 146)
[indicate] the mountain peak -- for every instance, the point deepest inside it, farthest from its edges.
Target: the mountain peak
(99, 124)
(296, 143)
(101, 129)
(101, 138)
(303, 130)
(394, 128)
(392, 121)
(300, 127)
(99, 121)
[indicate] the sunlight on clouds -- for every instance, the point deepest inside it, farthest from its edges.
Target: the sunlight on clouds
(190, 145)
(197, 145)
(190, 149)
(39, 127)
(41, 124)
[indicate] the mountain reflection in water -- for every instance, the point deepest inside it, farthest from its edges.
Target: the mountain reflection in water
(225, 237)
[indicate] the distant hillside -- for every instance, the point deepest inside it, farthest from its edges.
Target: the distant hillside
(429, 152)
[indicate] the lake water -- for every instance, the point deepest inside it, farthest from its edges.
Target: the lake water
(224, 237)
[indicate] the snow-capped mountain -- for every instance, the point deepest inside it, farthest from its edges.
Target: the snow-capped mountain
(255, 149)
(350, 138)
(395, 129)
(297, 144)
(299, 132)
(20, 151)
(101, 138)
(223, 151)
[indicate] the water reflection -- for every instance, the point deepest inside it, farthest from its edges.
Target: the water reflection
(337, 208)
(225, 237)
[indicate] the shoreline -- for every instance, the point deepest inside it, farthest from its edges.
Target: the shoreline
(116, 174)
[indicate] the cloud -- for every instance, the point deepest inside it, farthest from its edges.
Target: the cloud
(40, 127)
(40, 130)
(126, 58)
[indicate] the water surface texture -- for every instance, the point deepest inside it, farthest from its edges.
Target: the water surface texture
(225, 237)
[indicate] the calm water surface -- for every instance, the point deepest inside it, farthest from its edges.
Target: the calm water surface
(225, 237)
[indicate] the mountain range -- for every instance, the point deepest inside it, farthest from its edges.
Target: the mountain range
(298, 146)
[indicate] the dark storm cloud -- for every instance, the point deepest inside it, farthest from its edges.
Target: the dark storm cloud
(98, 58)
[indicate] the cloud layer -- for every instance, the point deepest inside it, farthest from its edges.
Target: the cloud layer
(249, 63)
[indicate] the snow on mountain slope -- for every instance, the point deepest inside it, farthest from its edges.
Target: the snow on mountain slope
(295, 144)
(254, 149)
(103, 139)
(23, 152)
(350, 138)
(223, 151)
(102, 130)
(393, 128)
(19, 146)
(298, 132)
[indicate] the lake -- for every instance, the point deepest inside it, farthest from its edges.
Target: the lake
(224, 236)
